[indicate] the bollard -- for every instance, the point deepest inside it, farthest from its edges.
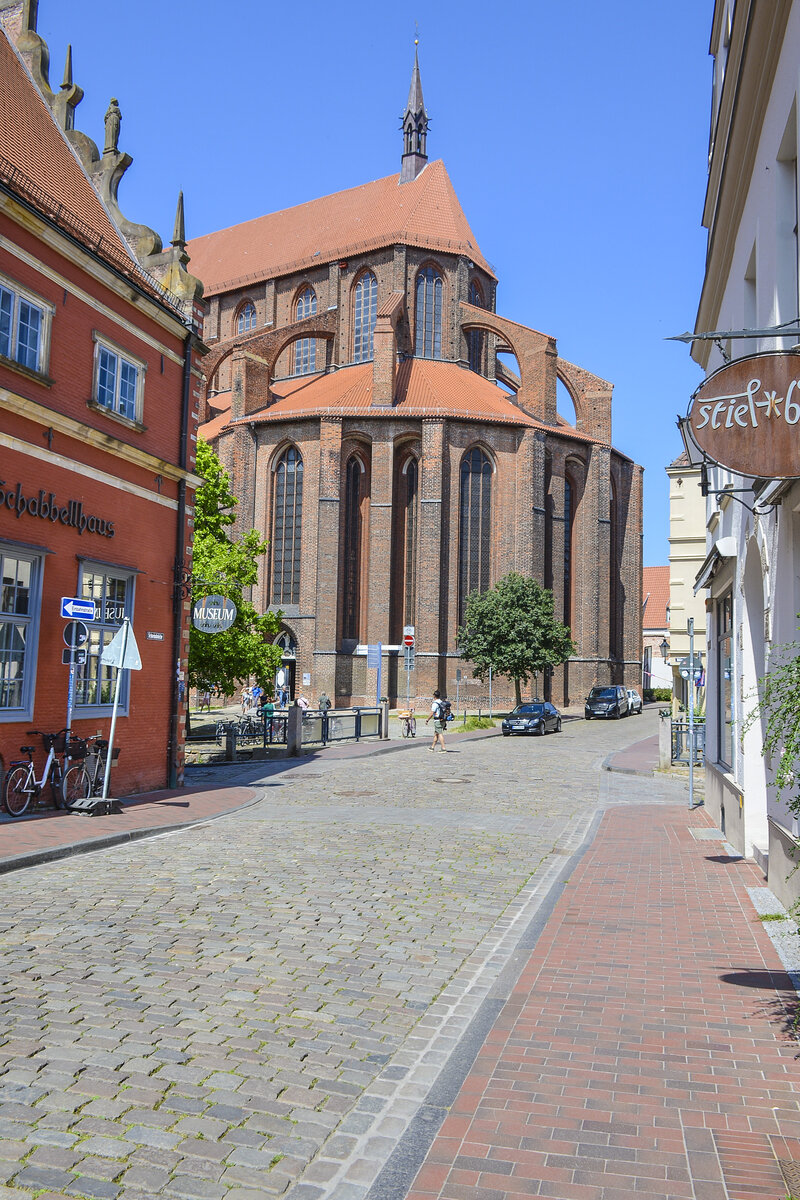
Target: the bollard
(664, 739)
(294, 730)
(230, 744)
(384, 719)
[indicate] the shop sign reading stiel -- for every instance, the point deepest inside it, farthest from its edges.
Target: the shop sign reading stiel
(746, 416)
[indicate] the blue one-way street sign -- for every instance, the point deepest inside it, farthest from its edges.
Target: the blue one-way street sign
(76, 606)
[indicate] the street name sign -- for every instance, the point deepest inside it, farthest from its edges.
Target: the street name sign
(77, 606)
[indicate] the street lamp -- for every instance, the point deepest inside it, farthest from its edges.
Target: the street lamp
(664, 648)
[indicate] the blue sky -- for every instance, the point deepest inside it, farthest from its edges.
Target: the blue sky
(576, 136)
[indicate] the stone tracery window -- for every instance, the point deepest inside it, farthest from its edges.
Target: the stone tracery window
(247, 318)
(365, 308)
(475, 521)
(428, 314)
(305, 350)
(287, 525)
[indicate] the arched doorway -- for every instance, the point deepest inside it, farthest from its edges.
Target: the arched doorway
(285, 674)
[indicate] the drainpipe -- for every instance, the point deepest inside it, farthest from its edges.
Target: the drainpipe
(180, 550)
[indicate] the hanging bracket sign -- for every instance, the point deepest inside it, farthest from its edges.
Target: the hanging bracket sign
(213, 614)
(746, 416)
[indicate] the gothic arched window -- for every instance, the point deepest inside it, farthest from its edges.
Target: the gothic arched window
(355, 496)
(569, 526)
(428, 314)
(286, 528)
(475, 336)
(475, 519)
(305, 350)
(365, 307)
(247, 318)
(613, 577)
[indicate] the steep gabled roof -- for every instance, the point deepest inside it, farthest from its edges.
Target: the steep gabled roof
(655, 597)
(424, 212)
(35, 157)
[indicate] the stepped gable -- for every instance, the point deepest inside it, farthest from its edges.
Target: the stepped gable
(44, 159)
(423, 212)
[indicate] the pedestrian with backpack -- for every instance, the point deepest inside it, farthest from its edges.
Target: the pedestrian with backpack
(438, 713)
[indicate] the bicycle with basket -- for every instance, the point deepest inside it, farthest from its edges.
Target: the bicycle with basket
(22, 786)
(86, 777)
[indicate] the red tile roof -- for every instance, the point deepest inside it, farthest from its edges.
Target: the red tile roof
(424, 212)
(32, 143)
(38, 164)
(655, 597)
(425, 389)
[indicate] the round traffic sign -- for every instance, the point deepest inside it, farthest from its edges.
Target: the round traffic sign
(408, 639)
(75, 633)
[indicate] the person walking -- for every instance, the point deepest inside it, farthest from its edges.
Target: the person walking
(437, 714)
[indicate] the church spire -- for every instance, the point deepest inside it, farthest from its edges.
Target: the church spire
(415, 127)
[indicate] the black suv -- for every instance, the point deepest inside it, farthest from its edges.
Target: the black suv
(606, 702)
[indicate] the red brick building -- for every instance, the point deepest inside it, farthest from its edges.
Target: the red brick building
(98, 373)
(357, 392)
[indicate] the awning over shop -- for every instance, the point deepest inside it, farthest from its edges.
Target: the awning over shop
(723, 548)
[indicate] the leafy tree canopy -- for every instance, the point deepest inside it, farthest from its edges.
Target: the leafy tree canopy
(512, 629)
(226, 566)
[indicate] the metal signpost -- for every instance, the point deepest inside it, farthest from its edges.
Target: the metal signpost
(408, 646)
(122, 653)
(374, 657)
(75, 634)
(691, 669)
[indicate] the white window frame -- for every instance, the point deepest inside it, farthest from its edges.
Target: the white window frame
(19, 296)
(128, 575)
(101, 342)
(31, 619)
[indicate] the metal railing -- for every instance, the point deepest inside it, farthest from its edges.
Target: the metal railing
(340, 725)
(681, 741)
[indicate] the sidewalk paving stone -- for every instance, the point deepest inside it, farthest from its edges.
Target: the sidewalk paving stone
(315, 973)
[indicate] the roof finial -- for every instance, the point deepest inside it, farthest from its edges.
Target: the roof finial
(179, 232)
(67, 82)
(415, 125)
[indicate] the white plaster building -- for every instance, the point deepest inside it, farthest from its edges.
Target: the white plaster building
(751, 283)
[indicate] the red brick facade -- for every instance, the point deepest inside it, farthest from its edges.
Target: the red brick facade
(432, 407)
(96, 476)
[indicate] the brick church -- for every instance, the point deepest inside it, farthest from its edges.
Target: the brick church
(359, 391)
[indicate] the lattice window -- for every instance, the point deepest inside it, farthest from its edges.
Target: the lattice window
(428, 314)
(287, 528)
(365, 307)
(475, 518)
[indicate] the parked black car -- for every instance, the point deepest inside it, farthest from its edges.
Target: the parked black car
(606, 702)
(532, 717)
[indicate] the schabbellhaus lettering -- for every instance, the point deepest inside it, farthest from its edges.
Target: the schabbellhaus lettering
(723, 412)
(46, 507)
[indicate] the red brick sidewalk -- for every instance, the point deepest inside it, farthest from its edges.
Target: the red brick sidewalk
(646, 1050)
(27, 840)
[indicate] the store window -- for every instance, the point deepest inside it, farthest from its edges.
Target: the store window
(24, 326)
(118, 381)
(20, 601)
(725, 725)
(111, 588)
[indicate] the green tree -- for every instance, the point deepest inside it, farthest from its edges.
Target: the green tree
(512, 629)
(226, 565)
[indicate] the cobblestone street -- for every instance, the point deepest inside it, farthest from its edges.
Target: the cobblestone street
(261, 1002)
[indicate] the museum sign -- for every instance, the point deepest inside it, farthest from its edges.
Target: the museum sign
(746, 416)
